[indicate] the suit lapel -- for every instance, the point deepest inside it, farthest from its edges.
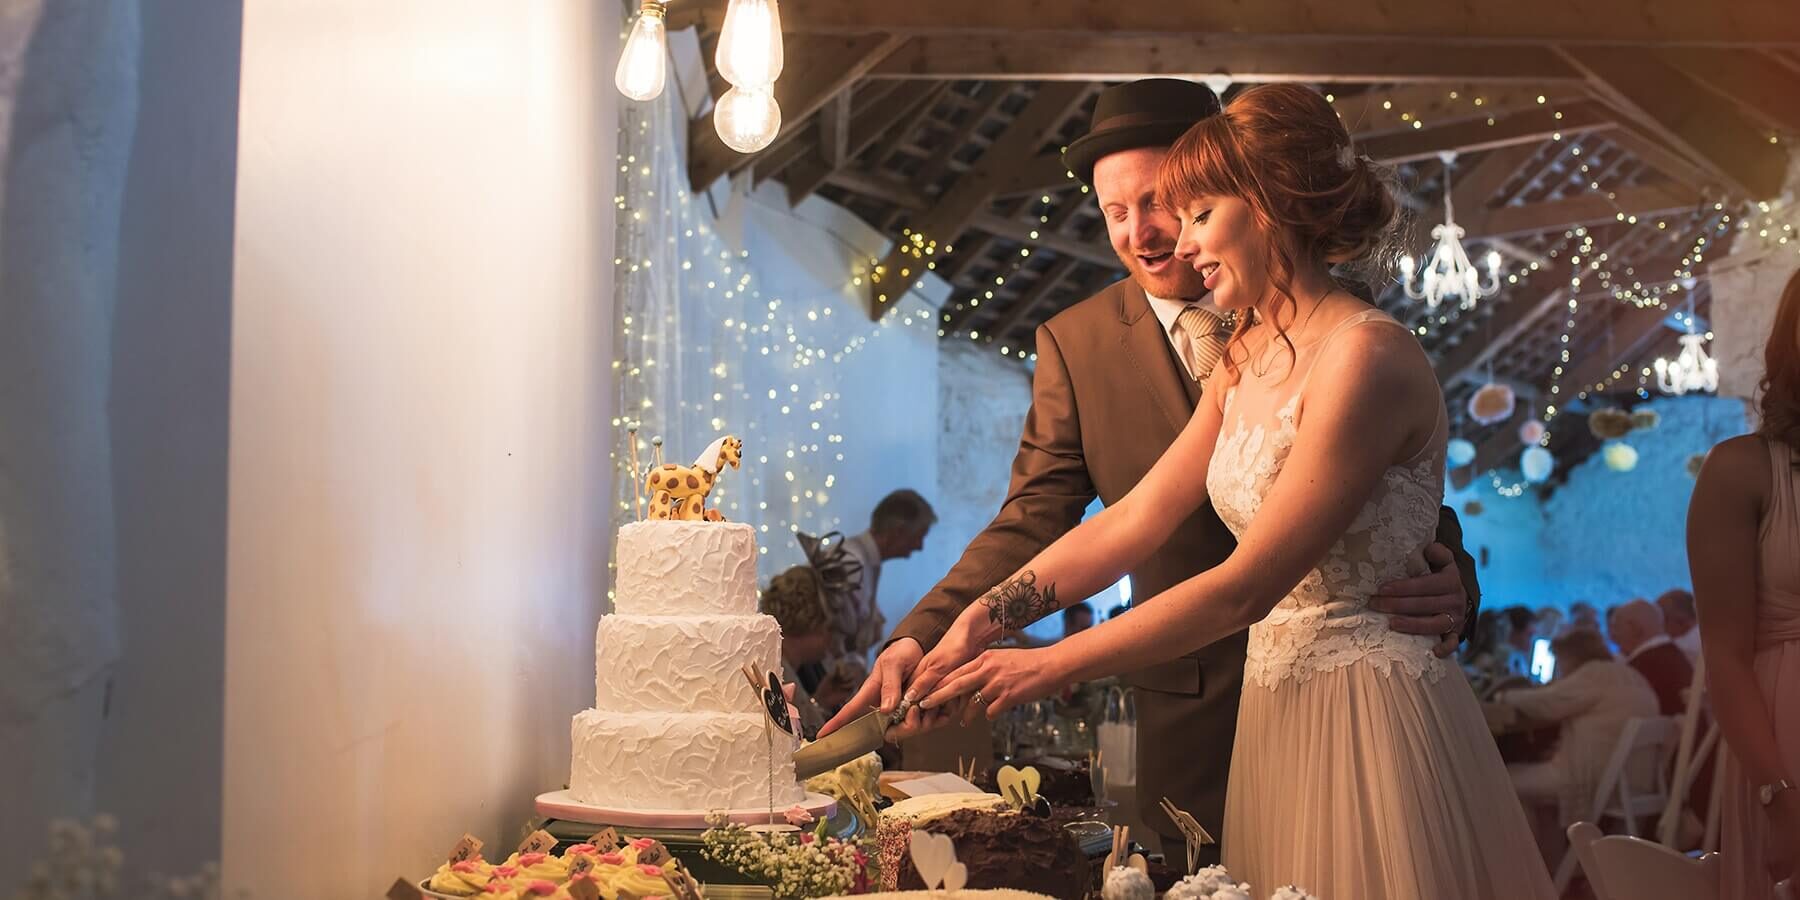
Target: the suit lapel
(1146, 346)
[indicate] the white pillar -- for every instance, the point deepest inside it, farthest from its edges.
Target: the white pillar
(68, 74)
(1747, 286)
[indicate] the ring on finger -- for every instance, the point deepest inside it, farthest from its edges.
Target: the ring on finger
(1449, 622)
(980, 700)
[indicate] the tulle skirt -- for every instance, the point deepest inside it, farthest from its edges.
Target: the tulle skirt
(1356, 784)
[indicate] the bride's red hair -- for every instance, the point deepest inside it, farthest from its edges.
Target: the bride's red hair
(1282, 150)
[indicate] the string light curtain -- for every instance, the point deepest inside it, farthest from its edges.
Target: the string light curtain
(702, 350)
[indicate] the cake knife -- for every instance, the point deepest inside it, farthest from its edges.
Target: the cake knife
(863, 735)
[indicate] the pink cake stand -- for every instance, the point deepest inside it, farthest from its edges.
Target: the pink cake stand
(563, 805)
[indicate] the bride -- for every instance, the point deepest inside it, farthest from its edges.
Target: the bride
(1363, 769)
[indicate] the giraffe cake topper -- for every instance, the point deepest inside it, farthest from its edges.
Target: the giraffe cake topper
(679, 492)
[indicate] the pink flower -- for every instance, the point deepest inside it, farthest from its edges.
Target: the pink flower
(643, 843)
(652, 871)
(532, 859)
(541, 888)
(612, 859)
(798, 816)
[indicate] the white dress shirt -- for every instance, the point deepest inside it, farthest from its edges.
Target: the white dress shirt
(1690, 644)
(1650, 644)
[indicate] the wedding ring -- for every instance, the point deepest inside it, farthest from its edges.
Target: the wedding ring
(1449, 622)
(978, 698)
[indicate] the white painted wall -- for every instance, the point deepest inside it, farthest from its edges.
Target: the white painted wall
(419, 407)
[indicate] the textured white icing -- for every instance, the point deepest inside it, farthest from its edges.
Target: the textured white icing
(682, 663)
(680, 761)
(669, 568)
(927, 808)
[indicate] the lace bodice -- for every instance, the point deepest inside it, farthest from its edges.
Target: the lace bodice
(1324, 623)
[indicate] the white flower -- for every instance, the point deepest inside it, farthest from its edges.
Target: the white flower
(1235, 892)
(1126, 883)
(1291, 892)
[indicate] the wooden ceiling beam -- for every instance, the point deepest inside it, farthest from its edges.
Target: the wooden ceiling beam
(834, 130)
(1511, 320)
(1756, 81)
(1658, 198)
(1687, 117)
(867, 126)
(971, 192)
(1743, 23)
(1098, 253)
(818, 69)
(1639, 142)
(1090, 57)
(1532, 126)
(1033, 296)
(940, 162)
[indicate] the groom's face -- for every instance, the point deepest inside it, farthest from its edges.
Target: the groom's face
(1141, 232)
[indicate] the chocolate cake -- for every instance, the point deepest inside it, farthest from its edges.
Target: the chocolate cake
(1006, 850)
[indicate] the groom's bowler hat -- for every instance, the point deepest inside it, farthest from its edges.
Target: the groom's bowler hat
(1152, 112)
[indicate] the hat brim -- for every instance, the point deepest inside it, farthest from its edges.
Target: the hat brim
(1087, 149)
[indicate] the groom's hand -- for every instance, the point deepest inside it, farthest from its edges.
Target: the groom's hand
(1434, 604)
(883, 686)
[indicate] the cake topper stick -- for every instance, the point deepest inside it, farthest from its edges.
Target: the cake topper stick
(1191, 830)
(637, 474)
(657, 443)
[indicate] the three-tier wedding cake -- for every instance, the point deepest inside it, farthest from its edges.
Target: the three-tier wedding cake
(675, 725)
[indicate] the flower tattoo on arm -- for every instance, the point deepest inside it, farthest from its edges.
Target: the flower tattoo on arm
(1017, 602)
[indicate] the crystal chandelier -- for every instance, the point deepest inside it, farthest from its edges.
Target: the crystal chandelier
(1693, 369)
(1448, 274)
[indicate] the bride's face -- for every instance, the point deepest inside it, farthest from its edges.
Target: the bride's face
(1221, 240)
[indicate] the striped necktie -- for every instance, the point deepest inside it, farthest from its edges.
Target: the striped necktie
(1205, 335)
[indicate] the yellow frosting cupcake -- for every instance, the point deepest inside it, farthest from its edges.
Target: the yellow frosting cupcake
(539, 867)
(463, 879)
(639, 881)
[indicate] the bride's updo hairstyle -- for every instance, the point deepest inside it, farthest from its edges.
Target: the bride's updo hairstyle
(1281, 149)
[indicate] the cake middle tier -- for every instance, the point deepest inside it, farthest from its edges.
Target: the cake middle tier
(681, 761)
(682, 663)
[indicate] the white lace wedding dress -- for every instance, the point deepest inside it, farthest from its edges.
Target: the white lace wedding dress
(1363, 769)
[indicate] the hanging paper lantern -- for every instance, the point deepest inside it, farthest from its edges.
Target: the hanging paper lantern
(1644, 419)
(1610, 424)
(1473, 508)
(1531, 432)
(1536, 463)
(1694, 463)
(1492, 403)
(1620, 456)
(1459, 452)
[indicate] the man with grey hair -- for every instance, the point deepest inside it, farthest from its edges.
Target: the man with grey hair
(1681, 621)
(1637, 629)
(897, 530)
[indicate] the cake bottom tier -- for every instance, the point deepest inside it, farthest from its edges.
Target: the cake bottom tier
(680, 761)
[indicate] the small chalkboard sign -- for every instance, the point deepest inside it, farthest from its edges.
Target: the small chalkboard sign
(404, 890)
(606, 839)
(654, 855)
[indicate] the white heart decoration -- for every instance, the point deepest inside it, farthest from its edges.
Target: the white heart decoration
(933, 855)
(956, 876)
(1018, 782)
(1137, 862)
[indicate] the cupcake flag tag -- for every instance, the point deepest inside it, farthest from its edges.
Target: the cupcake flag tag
(467, 848)
(583, 889)
(1191, 831)
(607, 839)
(934, 855)
(404, 890)
(539, 841)
(652, 853)
(682, 886)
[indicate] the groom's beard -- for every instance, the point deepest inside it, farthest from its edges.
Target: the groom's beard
(1174, 280)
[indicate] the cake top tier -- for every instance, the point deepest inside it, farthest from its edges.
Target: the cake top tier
(676, 568)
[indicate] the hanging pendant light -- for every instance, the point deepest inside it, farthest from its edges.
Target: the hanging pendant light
(1448, 274)
(1693, 369)
(749, 53)
(643, 66)
(747, 120)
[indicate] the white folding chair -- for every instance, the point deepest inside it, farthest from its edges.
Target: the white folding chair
(1692, 754)
(1646, 744)
(1620, 867)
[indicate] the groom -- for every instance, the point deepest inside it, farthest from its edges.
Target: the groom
(1118, 376)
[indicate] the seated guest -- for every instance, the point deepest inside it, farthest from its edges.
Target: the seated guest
(1681, 621)
(1592, 698)
(1637, 629)
(1077, 618)
(1583, 614)
(1521, 633)
(1489, 659)
(1549, 623)
(796, 600)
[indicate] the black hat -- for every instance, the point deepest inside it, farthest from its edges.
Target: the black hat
(1148, 113)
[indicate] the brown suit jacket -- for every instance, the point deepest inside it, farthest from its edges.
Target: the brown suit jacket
(1108, 398)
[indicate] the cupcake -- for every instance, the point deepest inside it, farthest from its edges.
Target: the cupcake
(461, 879)
(540, 889)
(539, 867)
(638, 881)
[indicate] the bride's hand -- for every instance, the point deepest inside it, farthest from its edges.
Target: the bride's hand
(958, 646)
(998, 680)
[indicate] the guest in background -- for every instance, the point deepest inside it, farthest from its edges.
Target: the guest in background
(1521, 633)
(897, 530)
(1637, 629)
(796, 600)
(1681, 621)
(1583, 614)
(1489, 659)
(1592, 698)
(1549, 623)
(1743, 540)
(1077, 618)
